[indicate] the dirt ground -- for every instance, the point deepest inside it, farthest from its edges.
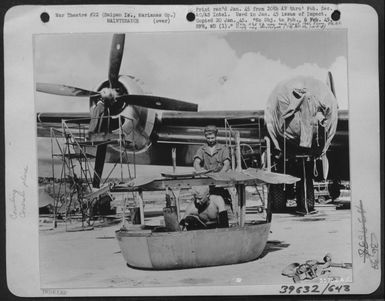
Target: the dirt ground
(91, 259)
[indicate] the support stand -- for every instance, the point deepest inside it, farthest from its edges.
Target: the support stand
(305, 189)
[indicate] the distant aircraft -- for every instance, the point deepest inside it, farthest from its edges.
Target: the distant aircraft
(153, 125)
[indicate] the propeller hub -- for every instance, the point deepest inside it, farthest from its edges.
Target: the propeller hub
(108, 93)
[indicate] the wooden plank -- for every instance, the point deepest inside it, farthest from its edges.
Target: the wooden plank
(141, 207)
(241, 203)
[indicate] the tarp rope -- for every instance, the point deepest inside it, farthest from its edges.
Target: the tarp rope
(315, 171)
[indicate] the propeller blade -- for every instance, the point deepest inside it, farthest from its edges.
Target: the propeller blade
(330, 83)
(99, 164)
(116, 54)
(160, 103)
(64, 90)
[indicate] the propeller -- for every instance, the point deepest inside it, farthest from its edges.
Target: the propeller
(112, 95)
(116, 54)
(64, 90)
(99, 164)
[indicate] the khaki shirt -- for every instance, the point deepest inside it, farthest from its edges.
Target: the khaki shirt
(215, 160)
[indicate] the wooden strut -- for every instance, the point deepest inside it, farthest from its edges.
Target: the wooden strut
(53, 181)
(266, 187)
(240, 187)
(123, 222)
(173, 157)
(141, 207)
(241, 203)
(305, 184)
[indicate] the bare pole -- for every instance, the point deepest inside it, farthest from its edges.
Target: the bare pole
(120, 150)
(53, 181)
(134, 146)
(232, 158)
(268, 154)
(141, 207)
(123, 225)
(241, 203)
(65, 174)
(266, 187)
(305, 184)
(225, 132)
(240, 187)
(238, 151)
(173, 156)
(177, 205)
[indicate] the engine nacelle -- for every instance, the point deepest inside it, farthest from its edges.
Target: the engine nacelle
(137, 122)
(301, 116)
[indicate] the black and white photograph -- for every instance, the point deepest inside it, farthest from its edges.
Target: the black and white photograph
(193, 161)
(193, 158)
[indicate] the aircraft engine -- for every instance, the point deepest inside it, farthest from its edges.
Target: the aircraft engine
(137, 122)
(122, 101)
(301, 117)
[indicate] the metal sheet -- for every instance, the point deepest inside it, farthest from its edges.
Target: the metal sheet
(250, 176)
(271, 177)
(189, 249)
(135, 251)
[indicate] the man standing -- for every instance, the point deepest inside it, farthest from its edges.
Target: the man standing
(206, 211)
(212, 155)
(215, 157)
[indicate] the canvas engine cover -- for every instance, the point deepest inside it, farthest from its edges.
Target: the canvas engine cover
(301, 113)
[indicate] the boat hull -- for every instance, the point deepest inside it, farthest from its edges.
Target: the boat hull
(191, 249)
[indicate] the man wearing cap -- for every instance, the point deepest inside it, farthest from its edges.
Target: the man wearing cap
(212, 155)
(215, 157)
(206, 211)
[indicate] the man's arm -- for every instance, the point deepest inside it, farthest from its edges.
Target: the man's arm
(197, 164)
(223, 219)
(190, 210)
(226, 159)
(226, 165)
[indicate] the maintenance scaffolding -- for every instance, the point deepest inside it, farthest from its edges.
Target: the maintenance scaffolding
(74, 147)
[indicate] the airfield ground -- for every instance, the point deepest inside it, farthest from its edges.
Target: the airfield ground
(92, 259)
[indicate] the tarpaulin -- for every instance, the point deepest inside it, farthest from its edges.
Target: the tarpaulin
(297, 108)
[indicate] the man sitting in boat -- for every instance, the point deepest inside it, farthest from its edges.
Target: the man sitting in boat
(215, 157)
(206, 211)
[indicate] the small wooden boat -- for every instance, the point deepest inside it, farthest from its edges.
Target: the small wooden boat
(158, 248)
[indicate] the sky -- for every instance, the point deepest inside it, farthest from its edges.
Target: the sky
(227, 71)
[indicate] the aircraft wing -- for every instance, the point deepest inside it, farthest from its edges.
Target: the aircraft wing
(187, 127)
(184, 131)
(341, 138)
(202, 118)
(46, 121)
